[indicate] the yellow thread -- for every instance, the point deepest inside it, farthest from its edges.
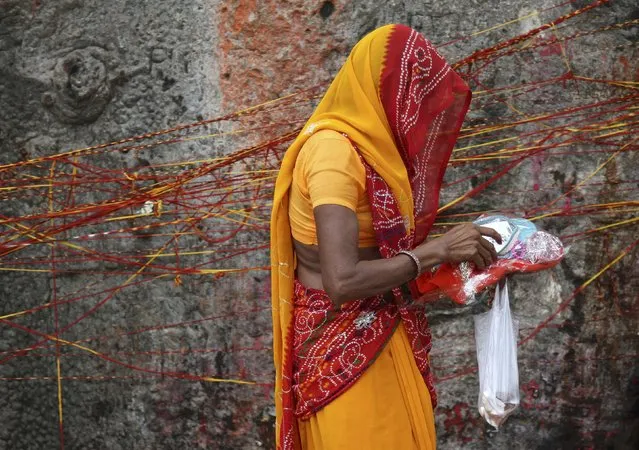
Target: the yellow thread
(606, 267)
(592, 174)
(612, 225)
(559, 39)
(59, 375)
(485, 144)
(13, 188)
(494, 27)
(47, 305)
(222, 380)
(19, 269)
(102, 356)
(57, 356)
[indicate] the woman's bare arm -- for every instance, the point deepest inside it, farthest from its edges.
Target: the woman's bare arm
(345, 277)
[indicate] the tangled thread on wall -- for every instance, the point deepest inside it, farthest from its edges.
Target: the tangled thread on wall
(205, 221)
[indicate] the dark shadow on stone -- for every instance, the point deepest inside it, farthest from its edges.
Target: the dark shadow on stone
(327, 9)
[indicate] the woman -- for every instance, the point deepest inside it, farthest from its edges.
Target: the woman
(355, 198)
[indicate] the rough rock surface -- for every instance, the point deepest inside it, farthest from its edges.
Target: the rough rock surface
(75, 73)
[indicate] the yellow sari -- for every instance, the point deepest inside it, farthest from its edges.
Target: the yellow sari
(389, 405)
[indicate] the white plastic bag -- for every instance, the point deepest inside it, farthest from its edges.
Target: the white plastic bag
(496, 340)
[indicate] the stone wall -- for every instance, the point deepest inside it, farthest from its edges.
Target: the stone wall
(78, 73)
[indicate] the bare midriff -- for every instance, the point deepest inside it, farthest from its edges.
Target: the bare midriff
(308, 269)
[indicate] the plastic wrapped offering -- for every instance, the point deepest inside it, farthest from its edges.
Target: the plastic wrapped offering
(524, 248)
(496, 340)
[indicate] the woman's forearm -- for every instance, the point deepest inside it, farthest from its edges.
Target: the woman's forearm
(369, 278)
(345, 277)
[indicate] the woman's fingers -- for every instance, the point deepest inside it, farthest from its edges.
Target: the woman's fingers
(479, 261)
(490, 247)
(485, 255)
(486, 231)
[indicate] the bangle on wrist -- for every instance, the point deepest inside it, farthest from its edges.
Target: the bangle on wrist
(418, 265)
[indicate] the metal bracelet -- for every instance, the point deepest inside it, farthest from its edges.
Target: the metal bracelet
(415, 260)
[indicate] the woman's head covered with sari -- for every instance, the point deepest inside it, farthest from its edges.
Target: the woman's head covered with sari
(402, 106)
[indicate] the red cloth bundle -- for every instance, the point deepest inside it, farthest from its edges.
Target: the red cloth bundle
(524, 248)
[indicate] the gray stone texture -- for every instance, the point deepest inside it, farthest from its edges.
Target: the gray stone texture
(78, 73)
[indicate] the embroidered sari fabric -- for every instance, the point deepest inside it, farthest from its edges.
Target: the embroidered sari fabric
(401, 105)
(388, 407)
(333, 346)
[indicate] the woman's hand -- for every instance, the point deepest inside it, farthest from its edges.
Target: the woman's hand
(467, 243)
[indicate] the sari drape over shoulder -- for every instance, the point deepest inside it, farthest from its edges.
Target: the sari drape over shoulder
(401, 106)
